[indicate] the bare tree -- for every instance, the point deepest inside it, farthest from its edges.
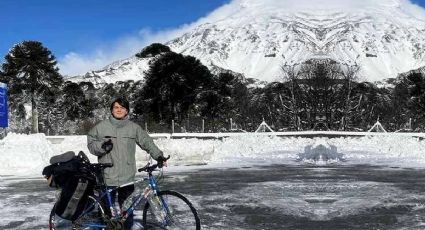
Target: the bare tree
(290, 103)
(320, 93)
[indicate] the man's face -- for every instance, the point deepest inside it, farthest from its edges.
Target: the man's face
(118, 111)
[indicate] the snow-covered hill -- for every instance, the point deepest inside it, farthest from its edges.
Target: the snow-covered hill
(129, 69)
(256, 37)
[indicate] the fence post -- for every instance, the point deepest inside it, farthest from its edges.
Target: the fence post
(172, 126)
(231, 124)
(203, 126)
(187, 124)
(146, 126)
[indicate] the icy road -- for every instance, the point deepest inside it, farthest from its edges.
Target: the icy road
(264, 197)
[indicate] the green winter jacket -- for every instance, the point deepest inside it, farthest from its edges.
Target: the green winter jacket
(124, 134)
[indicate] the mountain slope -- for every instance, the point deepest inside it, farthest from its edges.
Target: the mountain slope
(132, 68)
(382, 38)
(256, 37)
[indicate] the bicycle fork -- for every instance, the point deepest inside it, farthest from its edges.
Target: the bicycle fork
(159, 207)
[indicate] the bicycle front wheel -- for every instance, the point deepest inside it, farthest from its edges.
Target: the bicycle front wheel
(180, 213)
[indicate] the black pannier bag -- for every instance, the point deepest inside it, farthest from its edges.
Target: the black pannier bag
(72, 175)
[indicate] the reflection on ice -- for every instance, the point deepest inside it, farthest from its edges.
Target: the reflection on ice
(323, 201)
(320, 153)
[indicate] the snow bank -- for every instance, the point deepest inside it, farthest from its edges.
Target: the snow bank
(22, 154)
(390, 149)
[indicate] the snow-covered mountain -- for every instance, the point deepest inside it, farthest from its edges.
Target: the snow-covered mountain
(129, 69)
(256, 37)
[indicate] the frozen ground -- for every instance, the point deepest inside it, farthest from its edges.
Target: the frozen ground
(264, 197)
(250, 182)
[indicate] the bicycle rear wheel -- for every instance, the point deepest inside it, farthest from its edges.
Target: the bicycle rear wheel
(92, 218)
(180, 213)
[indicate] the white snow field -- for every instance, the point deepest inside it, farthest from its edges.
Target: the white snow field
(26, 155)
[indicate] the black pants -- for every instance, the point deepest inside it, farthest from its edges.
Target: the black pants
(123, 193)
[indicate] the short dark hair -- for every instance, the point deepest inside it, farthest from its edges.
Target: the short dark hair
(121, 101)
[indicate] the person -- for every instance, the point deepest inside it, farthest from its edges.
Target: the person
(114, 141)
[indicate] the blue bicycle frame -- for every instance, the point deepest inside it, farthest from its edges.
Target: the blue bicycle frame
(140, 197)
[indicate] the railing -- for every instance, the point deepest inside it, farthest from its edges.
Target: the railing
(329, 134)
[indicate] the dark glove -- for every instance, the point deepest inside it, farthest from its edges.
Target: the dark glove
(107, 146)
(161, 160)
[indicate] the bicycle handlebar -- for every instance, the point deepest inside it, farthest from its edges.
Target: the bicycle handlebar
(150, 168)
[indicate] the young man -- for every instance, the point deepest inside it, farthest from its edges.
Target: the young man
(114, 141)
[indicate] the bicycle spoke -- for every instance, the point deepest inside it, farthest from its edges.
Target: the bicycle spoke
(180, 214)
(92, 218)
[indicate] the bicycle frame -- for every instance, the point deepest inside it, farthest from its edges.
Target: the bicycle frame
(118, 215)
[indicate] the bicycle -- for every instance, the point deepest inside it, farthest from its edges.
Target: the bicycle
(175, 210)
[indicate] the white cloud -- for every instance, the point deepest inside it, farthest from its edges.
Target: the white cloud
(73, 63)
(79, 63)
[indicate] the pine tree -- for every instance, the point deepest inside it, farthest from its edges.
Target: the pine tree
(227, 98)
(416, 100)
(75, 105)
(30, 71)
(173, 83)
(152, 50)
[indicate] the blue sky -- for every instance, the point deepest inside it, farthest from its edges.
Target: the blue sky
(419, 2)
(73, 25)
(86, 34)
(81, 26)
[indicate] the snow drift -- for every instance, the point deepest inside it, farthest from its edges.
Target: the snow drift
(22, 154)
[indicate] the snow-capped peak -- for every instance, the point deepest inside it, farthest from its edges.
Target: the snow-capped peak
(256, 37)
(384, 37)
